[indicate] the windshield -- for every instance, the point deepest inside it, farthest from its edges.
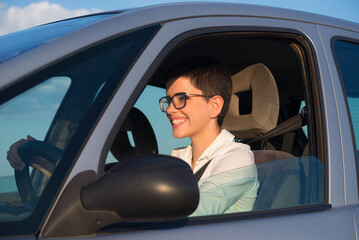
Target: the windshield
(46, 118)
(23, 41)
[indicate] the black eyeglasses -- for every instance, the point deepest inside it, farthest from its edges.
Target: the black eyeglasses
(178, 100)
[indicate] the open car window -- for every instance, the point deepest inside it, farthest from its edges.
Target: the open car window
(289, 170)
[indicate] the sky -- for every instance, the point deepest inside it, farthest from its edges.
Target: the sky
(16, 15)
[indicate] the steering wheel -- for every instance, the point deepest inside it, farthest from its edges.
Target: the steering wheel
(46, 158)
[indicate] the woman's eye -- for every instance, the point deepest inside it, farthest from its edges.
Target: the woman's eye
(181, 98)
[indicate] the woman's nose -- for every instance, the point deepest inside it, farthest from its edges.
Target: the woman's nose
(170, 108)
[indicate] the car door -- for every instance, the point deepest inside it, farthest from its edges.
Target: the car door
(327, 219)
(342, 51)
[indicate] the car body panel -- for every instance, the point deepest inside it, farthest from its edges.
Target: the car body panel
(347, 142)
(315, 225)
(180, 21)
(329, 35)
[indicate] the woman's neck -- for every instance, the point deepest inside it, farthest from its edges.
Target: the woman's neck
(201, 143)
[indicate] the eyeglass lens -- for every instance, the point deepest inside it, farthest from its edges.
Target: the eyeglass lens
(178, 101)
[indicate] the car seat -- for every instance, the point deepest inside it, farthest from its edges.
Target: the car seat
(281, 175)
(143, 137)
(263, 116)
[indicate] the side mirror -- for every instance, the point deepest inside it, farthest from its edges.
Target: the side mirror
(145, 188)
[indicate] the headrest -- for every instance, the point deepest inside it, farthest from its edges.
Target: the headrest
(263, 117)
(142, 133)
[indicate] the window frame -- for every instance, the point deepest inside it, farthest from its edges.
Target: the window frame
(311, 86)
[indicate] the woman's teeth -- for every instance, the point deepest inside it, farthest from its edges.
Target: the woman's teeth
(177, 121)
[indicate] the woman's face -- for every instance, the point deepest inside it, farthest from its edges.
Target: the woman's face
(192, 120)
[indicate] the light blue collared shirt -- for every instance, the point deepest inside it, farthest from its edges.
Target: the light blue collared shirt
(228, 192)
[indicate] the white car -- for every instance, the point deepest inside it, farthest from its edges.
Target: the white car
(87, 89)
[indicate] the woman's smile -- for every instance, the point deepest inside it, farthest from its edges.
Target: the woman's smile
(177, 121)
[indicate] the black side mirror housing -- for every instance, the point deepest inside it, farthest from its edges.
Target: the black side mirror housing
(145, 188)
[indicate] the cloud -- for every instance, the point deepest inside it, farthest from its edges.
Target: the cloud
(54, 84)
(16, 18)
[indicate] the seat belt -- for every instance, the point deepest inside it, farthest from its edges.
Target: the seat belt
(291, 124)
(200, 171)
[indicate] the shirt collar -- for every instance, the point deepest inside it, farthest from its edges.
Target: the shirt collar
(223, 139)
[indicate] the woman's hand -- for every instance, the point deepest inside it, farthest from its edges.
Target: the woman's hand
(13, 155)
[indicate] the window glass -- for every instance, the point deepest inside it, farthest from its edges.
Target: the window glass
(347, 55)
(38, 106)
(58, 105)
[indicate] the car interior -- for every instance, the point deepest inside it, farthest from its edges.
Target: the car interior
(269, 110)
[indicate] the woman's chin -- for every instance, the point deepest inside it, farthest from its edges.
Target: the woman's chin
(178, 135)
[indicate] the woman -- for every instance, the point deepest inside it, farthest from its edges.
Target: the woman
(198, 95)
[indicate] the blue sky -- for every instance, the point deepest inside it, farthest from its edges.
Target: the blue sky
(20, 14)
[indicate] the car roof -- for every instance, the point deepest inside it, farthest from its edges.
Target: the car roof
(174, 11)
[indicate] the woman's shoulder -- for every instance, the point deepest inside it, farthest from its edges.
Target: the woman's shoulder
(236, 152)
(236, 147)
(182, 152)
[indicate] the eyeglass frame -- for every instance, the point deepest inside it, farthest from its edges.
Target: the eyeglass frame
(187, 96)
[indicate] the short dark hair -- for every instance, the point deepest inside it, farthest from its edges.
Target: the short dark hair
(208, 76)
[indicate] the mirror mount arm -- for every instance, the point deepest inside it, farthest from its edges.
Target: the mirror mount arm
(70, 218)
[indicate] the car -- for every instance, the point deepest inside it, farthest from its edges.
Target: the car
(87, 90)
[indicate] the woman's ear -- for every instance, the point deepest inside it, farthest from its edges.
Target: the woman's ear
(216, 104)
